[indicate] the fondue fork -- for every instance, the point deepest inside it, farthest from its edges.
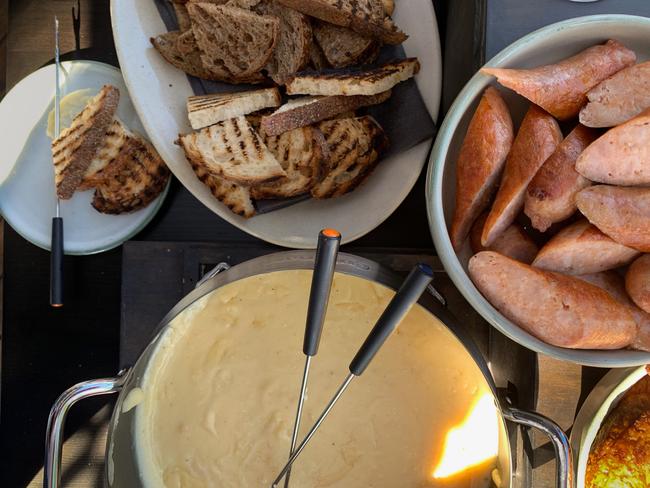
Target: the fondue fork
(409, 293)
(327, 250)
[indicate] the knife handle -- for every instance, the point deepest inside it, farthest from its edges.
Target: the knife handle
(56, 263)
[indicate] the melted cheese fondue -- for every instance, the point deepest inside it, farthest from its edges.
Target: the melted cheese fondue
(220, 394)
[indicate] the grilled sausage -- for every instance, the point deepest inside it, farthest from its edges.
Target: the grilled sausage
(538, 137)
(514, 242)
(561, 88)
(637, 282)
(480, 163)
(560, 310)
(551, 195)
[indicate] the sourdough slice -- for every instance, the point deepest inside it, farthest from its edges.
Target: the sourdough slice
(180, 50)
(292, 50)
(116, 136)
(309, 110)
(233, 150)
(317, 59)
(355, 146)
(76, 146)
(341, 46)
(236, 197)
(367, 17)
(348, 82)
(302, 154)
(182, 17)
(132, 180)
(205, 110)
(239, 40)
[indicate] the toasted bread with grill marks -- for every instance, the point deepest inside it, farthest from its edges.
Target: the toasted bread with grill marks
(354, 82)
(302, 154)
(232, 149)
(132, 180)
(355, 146)
(309, 110)
(343, 47)
(74, 149)
(367, 17)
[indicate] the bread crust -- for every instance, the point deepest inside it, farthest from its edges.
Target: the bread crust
(637, 282)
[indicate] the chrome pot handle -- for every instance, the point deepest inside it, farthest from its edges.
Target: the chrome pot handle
(563, 456)
(58, 414)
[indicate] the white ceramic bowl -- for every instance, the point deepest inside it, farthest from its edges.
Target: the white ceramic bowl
(544, 46)
(602, 400)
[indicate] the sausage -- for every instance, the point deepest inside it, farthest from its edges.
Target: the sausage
(637, 282)
(619, 98)
(561, 88)
(514, 242)
(538, 137)
(621, 156)
(551, 195)
(612, 282)
(581, 249)
(480, 162)
(621, 213)
(561, 310)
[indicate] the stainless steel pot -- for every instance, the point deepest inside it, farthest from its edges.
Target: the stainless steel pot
(121, 465)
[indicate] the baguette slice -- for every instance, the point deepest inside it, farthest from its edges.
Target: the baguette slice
(355, 145)
(292, 50)
(348, 82)
(309, 110)
(73, 151)
(367, 17)
(341, 46)
(232, 150)
(538, 137)
(480, 162)
(132, 180)
(637, 282)
(232, 38)
(582, 249)
(560, 310)
(205, 110)
(302, 154)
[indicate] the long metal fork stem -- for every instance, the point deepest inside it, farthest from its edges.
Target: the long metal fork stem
(296, 425)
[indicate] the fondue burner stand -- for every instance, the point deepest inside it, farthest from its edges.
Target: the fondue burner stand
(156, 275)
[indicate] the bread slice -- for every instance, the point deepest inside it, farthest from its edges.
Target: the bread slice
(205, 110)
(348, 82)
(292, 50)
(236, 197)
(132, 180)
(76, 146)
(232, 38)
(317, 59)
(302, 154)
(355, 146)
(389, 6)
(180, 50)
(309, 110)
(367, 17)
(341, 46)
(233, 150)
(182, 17)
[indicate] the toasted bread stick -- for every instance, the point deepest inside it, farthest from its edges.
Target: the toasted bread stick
(513, 243)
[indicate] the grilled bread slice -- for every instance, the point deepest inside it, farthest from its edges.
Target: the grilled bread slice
(355, 146)
(232, 149)
(302, 154)
(292, 50)
(236, 39)
(367, 17)
(341, 46)
(74, 149)
(347, 82)
(236, 197)
(132, 180)
(205, 110)
(309, 110)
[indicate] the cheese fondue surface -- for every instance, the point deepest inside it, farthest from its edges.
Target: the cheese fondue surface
(221, 390)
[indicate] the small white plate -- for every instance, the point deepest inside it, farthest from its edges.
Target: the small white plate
(27, 195)
(160, 92)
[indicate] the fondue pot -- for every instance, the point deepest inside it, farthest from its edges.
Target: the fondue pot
(121, 456)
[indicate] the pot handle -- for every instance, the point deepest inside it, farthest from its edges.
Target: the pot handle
(560, 441)
(58, 414)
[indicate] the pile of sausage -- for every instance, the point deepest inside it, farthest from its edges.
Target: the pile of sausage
(585, 197)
